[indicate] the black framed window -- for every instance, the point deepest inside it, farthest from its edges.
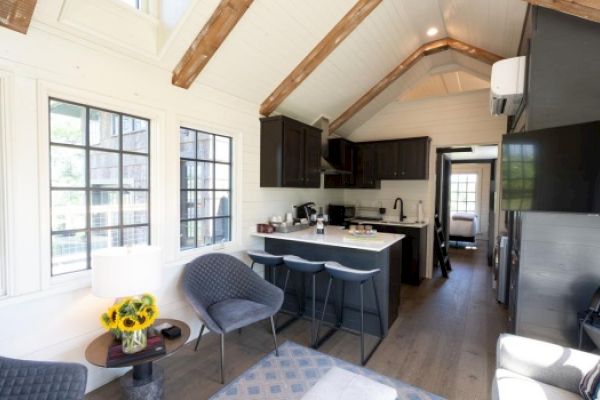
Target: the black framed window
(205, 188)
(99, 182)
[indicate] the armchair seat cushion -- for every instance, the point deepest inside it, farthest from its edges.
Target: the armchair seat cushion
(235, 313)
(511, 385)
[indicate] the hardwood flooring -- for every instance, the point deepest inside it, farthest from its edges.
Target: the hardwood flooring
(444, 341)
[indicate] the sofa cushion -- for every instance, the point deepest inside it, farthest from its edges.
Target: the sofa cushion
(509, 385)
(589, 387)
(232, 314)
(340, 384)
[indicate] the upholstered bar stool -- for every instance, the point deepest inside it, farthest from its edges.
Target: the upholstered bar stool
(298, 264)
(355, 276)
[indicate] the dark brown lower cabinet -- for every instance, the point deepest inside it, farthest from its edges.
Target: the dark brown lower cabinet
(414, 251)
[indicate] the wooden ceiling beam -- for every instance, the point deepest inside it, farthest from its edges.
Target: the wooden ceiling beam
(586, 9)
(427, 49)
(335, 36)
(16, 14)
(211, 37)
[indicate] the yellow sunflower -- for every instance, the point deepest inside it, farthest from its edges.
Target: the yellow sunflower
(128, 324)
(148, 299)
(110, 319)
(144, 321)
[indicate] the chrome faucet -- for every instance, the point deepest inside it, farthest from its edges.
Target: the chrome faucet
(402, 216)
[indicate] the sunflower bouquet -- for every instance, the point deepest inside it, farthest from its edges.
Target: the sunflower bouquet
(128, 320)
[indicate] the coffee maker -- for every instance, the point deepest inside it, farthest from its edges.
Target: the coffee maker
(308, 211)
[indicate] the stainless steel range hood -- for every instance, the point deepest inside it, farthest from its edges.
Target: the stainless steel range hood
(328, 166)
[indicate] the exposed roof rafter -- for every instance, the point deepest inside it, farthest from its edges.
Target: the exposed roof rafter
(211, 37)
(16, 14)
(586, 9)
(427, 49)
(335, 36)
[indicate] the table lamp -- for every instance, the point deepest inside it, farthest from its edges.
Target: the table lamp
(126, 271)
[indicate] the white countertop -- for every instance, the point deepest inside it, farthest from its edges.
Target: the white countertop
(392, 222)
(338, 237)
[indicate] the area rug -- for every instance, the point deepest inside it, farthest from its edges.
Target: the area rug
(296, 370)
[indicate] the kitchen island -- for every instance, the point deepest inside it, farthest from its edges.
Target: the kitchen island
(383, 251)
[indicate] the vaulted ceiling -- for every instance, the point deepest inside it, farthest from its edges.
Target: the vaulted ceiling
(272, 37)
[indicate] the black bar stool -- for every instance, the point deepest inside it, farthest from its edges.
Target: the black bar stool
(351, 275)
(274, 262)
(303, 266)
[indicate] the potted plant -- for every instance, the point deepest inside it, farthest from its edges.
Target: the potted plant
(128, 320)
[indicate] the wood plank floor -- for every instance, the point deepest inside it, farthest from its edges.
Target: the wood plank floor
(444, 341)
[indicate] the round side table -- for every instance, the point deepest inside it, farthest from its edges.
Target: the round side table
(146, 380)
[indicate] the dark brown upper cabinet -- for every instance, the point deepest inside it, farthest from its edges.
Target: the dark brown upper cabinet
(403, 159)
(290, 153)
(340, 154)
(366, 167)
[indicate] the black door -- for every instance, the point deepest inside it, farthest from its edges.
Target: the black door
(293, 154)
(442, 191)
(312, 158)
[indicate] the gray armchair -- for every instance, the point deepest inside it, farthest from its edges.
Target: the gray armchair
(227, 295)
(40, 380)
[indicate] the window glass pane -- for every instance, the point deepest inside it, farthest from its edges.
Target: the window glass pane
(69, 252)
(462, 196)
(67, 166)
(187, 206)
(205, 146)
(104, 169)
(105, 208)
(462, 178)
(104, 129)
(135, 207)
(471, 197)
(222, 178)
(205, 204)
(222, 149)
(187, 143)
(135, 171)
(188, 235)
(205, 175)
(135, 134)
(205, 232)
(471, 187)
(135, 236)
(470, 207)
(104, 238)
(187, 174)
(222, 204)
(222, 230)
(68, 210)
(67, 123)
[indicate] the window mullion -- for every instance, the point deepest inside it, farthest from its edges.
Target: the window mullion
(88, 197)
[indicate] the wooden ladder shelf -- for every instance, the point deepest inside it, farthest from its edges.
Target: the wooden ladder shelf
(441, 250)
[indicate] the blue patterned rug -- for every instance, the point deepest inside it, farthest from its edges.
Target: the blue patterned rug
(296, 370)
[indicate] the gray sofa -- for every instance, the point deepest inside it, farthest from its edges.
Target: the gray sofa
(531, 369)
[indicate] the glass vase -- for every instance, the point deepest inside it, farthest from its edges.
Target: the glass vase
(135, 341)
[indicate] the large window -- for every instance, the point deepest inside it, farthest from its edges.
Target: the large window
(99, 182)
(463, 192)
(205, 183)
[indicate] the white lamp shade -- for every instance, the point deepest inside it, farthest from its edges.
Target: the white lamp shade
(126, 271)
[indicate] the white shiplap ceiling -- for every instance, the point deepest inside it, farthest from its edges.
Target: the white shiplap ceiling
(275, 35)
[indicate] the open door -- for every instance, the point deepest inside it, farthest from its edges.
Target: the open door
(442, 191)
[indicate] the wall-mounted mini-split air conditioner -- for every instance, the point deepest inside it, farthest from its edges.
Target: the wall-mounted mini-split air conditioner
(507, 85)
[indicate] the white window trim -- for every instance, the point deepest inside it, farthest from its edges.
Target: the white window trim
(185, 256)
(6, 104)
(45, 92)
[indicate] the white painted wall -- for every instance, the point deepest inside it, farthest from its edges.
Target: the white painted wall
(57, 318)
(483, 192)
(462, 119)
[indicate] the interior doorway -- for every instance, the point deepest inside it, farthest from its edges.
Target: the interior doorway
(466, 199)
